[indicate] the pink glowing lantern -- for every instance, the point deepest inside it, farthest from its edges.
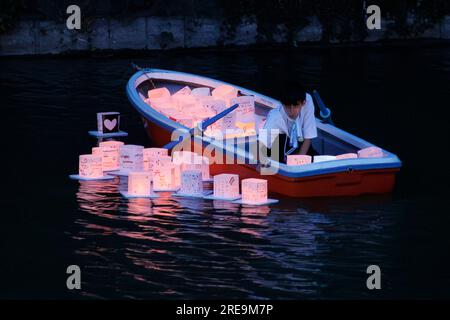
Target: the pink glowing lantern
(131, 158)
(165, 177)
(323, 158)
(191, 183)
(226, 186)
(110, 152)
(254, 191)
(346, 156)
(245, 113)
(159, 93)
(204, 167)
(157, 161)
(139, 184)
(298, 160)
(90, 166)
(108, 122)
(185, 104)
(149, 153)
(184, 157)
(201, 92)
(185, 91)
(225, 92)
(370, 152)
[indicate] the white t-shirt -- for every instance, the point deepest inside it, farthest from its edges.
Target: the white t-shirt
(278, 119)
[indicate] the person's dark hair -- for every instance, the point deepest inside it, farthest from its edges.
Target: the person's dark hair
(291, 93)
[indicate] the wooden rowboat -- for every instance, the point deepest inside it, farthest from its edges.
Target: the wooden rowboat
(347, 177)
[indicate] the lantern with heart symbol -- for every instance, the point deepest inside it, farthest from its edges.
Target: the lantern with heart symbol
(108, 122)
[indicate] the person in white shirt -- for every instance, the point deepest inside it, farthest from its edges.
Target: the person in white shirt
(295, 120)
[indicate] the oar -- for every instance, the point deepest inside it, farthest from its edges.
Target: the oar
(205, 124)
(325, 113)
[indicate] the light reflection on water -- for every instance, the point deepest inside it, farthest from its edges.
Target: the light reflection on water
(185, 247)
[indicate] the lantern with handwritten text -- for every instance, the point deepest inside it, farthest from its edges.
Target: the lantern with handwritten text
(254, 191)
(90, 166)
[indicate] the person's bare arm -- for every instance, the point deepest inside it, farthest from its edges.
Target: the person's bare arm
(305, 146)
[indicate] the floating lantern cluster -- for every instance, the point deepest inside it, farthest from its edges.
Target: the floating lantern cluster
(152, 170)
(190, 107)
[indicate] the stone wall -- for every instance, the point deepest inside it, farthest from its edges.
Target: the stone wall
(156, 33)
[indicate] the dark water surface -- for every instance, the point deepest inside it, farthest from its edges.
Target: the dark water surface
(179, 248)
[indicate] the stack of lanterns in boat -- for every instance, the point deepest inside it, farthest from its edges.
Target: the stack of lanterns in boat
(299, 160)
(190, 106)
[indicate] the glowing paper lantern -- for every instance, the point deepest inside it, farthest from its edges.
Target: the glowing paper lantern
(226, 186)
(183, 157)
(110, 152)
(139, 184)
(212, 106)
(165, 177)
(298, 160)
(186, 121)
(203, 91)
(97, 151)
(225, 92)
(186, 104)
(157, 161)
(158, 93)
(90, 166)
(191, 183)
(185, 91)
(108, 122)
(254, 191)
(323, 158)
(131, 158)
(149, 153)
(346, 156)
(204, 167)
(370, 152)
(246, 111)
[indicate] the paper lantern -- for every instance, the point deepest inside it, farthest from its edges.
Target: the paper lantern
(90, 166)
(298, 160)
(186, 121)
(211, 107)
(370, 152)
(185, 91)
(139, 184)
(225, 92)
(191, 183)
(187, 105)
(158, 93)
(108, 122)
(110, 152)
(323, 158)
(245, 113)
(165, 177)
(254, 191)
(203, 91)
(226, 186)
(156, 161)
(131, 158)
(204, 167)
(149, 153)
(184, 157)
(346, 156)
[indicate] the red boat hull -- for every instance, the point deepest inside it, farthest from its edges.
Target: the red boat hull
(348, 183)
